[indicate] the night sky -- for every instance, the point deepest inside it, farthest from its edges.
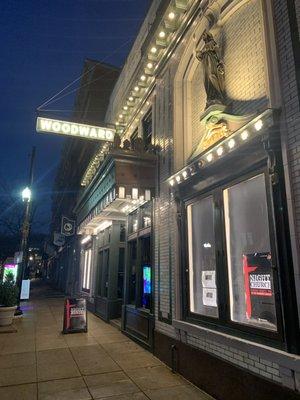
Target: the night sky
(43, 47)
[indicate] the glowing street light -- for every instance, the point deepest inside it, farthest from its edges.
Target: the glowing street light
(26, 194)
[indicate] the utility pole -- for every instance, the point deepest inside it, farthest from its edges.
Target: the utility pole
(26, 194)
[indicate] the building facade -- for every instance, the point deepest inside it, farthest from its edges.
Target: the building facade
(204, 178)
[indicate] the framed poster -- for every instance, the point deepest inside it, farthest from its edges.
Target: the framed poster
(75, 316)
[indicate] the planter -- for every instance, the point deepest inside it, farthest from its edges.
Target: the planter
(6, 315)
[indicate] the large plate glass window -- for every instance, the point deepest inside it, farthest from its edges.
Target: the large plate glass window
(249, 256)
(202, 260)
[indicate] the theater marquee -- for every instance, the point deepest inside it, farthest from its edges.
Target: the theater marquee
(74, 129)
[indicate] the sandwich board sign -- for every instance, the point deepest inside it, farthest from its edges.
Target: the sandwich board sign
(75, 316)
(67, 128)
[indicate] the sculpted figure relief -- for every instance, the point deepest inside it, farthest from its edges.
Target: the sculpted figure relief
(214, 71)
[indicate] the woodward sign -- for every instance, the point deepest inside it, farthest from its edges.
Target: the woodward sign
(74, 129)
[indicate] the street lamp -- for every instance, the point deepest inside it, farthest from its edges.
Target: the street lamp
(26, 194)
(26, 197)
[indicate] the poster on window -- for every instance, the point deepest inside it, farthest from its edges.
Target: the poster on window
(259, 291)
(209, 279)
(209, 297)
(75, 316)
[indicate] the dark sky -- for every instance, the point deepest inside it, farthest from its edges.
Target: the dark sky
(43, 46)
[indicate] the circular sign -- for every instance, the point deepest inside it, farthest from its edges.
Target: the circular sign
(68, 227)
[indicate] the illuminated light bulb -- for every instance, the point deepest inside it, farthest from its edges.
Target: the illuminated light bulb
(258, 125)
(150, 65)
(143, 78)
(130, 98)
(117, 123)
(153, 50)
(184, 174)
(220, 151)
(147, 102)
(162, 34)
(209, 157)
(172, 182)
(121, 116)
(231, 143)
(244, 135)
(171, 15)
(136, 88)
(125, 108)
(177, 178)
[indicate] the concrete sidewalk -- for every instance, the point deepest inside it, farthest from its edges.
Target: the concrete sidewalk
(38, 362)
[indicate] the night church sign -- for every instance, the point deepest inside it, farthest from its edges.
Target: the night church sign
(48, 125)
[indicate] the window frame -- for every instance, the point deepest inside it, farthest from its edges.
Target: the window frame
(223, 322)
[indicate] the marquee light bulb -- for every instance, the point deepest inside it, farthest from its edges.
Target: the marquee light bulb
(136, 88)
(171, 15)
(150, 65)
(258, 125)
(121, 116)
(220, 151)
(231, 143)
(177, 178)
(172, 182)
(162, 34)
(130, 98)
(125, 108)
(209, 157)
(143, 78)
(184, 174)
(153, 50)
(244, 135)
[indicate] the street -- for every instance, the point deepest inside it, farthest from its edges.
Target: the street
(39, 362)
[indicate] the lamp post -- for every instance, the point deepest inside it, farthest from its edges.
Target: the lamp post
(26, 197)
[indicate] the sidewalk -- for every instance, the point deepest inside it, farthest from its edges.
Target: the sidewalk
(38, 362)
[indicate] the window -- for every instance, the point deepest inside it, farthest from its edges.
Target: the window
(133, 222)
(86, 269)
(202, 260)
(132, 271)
(249, 256)
(231, 278)
(102, 273)
(146, 274)
(147, 130)
(121, 272)
(146, 215)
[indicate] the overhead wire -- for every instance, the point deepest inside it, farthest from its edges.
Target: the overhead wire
(55, 96)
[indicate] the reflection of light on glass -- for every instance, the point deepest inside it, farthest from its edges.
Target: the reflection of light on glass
(177, 178)
(206, 245)
(172, 182)
(147, 279)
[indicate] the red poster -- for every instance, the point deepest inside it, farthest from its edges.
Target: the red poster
(75, 316)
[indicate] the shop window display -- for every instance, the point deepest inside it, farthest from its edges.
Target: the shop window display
(249, 256)
(202, 261)
(232, 222)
